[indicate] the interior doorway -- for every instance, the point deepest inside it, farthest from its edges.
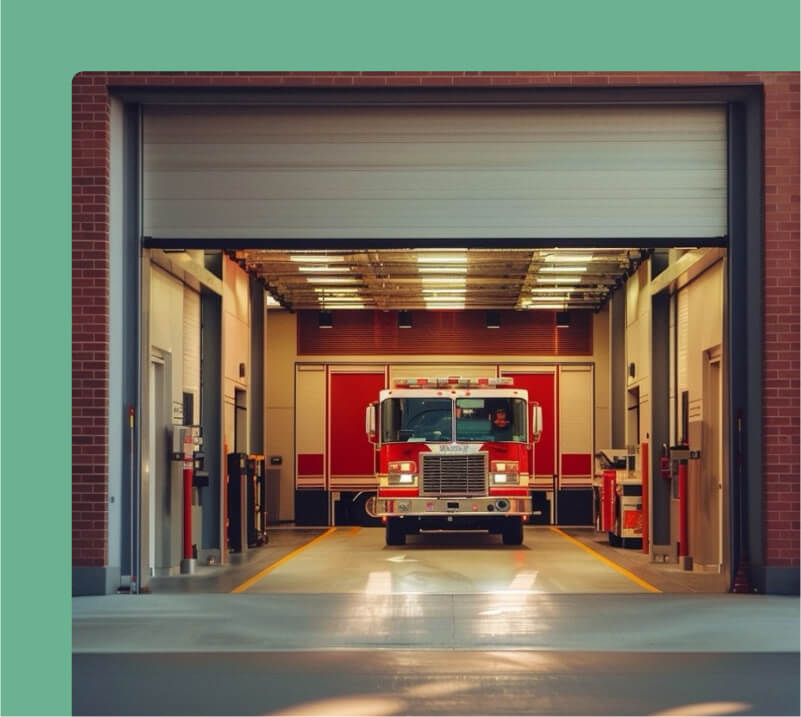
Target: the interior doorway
(710, 494)
(240, 421)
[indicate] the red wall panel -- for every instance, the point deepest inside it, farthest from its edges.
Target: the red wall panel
(350, 452)
(522, 333)
(576, 464)
(540, 389)
(310, 464)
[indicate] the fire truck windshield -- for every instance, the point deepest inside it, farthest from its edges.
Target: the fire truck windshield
(416, 419)
(491, 419)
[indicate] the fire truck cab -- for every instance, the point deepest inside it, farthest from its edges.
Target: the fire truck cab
(453, 454)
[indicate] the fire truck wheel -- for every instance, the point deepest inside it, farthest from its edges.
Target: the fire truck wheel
(614, 540)
(395, 532)
(513, 531)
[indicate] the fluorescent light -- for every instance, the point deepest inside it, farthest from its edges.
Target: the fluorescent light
(320, 269)
(544, 306)
(316, 258)
(271, 301)
(567, 258)
(328, 299)
(549, 290)
(443, 259)
(442, 269)
(563, 269)
(444, 306)
(329, 305)
(559, 279)
(336, 290)
(330, 280)
(539, 299)
(443, 291)
(444, 280)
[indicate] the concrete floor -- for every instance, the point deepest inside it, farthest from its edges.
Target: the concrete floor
(351, 558)
(448, 624)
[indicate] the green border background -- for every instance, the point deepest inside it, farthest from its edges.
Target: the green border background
(45, 43)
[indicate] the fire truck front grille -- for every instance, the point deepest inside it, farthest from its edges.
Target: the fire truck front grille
(457, 474)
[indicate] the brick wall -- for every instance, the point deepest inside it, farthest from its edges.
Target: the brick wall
(781, 321)
(90, 268)
(90, 296)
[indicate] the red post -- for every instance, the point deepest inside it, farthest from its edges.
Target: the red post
(644, 473)
(683, 543)
(187, 512)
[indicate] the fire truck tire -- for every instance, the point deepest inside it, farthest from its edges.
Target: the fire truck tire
(360, 513)
(396, 535)
(513, 531)
(614, 540)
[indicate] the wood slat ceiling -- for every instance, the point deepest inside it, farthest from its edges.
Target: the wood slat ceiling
(453, 278)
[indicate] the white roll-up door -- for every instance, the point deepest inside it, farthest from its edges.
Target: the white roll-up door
(596, 172)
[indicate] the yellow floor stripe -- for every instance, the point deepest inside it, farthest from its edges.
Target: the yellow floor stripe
(355, 530)
(272, 566)
(621, 570)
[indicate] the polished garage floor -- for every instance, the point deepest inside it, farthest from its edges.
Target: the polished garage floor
(444, 625)
(355, 560)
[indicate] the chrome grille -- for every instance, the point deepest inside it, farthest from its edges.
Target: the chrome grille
(454, 473)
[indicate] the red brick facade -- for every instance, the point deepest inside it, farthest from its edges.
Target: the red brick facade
(90, 269)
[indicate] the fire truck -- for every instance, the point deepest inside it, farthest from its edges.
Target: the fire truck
(453, 454)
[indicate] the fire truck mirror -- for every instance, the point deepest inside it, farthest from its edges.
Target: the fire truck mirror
(371, 422)
(536, 421)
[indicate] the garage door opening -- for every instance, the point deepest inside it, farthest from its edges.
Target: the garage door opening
(565, 248)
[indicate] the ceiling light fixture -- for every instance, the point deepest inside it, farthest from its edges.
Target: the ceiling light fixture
(316, 258)
(567, 258)
(442, 269)
(438, 292)
(444, 306)
(551, 290)
(559, 279)
(330, 280)
(562, 269)
(320, 269)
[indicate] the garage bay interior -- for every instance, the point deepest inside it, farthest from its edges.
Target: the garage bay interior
(299, 259)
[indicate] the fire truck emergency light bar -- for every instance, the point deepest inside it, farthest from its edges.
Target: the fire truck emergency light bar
(453, 381)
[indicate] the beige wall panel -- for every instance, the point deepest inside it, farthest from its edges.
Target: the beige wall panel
(600, 346)
(575, 409)
(280, 358)
(237, 349)
(228, 425)
(705, 309)
(408, 171)
(682, 337)
(280, 443)
(310, 409)
(166, 324)
(191, 351)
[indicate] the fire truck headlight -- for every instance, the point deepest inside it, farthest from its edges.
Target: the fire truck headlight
(504, 472)
(402, 473)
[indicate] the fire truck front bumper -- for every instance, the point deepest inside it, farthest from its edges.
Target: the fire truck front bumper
(478, 506)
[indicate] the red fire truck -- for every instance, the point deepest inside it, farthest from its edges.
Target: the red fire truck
(454, 453)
